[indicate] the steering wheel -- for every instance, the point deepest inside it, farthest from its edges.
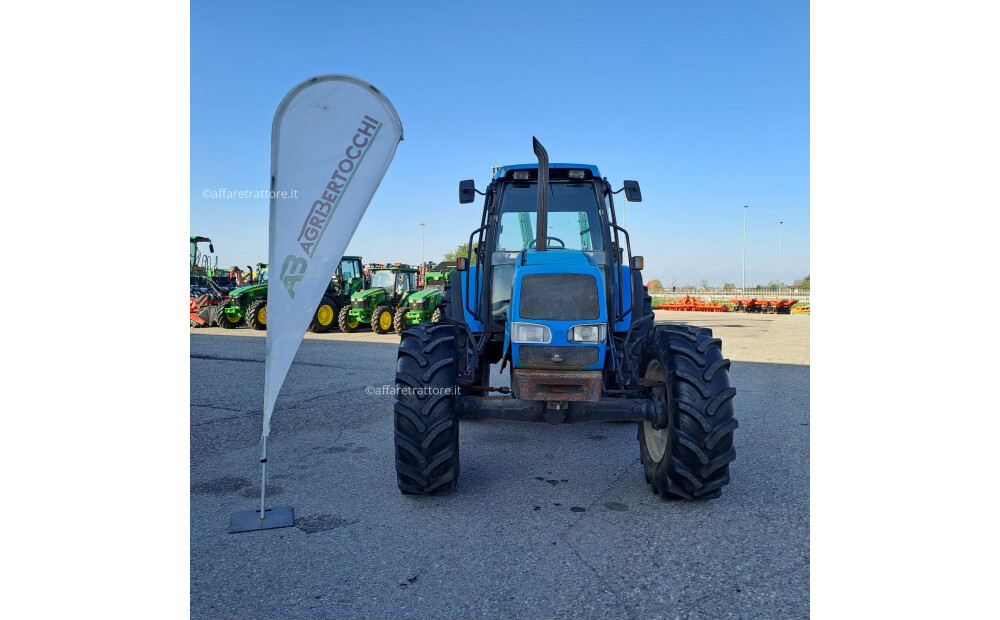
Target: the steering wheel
(562, 245)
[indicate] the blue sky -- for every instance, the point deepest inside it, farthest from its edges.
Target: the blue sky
(705, 104)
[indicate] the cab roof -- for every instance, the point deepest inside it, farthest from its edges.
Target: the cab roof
(501, 171)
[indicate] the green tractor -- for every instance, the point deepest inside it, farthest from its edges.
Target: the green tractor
(246, 304)
(424, 306)
(249, 303)
(389, 289)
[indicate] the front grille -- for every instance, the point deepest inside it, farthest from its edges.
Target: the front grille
(559, 297)
(571, 357)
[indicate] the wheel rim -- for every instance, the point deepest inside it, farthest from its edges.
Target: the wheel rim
(324, 316)
(352, 324)
(656, 440)
(231, 318)
(385, 321)
(262, 315)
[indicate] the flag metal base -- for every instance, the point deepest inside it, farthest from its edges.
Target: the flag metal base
(250, 520)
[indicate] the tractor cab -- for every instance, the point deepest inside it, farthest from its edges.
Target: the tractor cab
(349, 277)
(576, 222)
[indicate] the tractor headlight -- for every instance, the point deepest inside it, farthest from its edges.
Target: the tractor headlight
(530, 332)
(587, 333)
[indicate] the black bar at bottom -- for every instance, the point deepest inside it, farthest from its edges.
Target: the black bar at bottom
(604, 410)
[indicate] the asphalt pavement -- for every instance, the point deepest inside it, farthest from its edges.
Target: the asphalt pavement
(546, 522)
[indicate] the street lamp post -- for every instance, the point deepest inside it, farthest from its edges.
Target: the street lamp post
(422, 265)
(781, 284)
(745, 207)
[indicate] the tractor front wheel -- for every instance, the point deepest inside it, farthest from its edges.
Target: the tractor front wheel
(257, 314)
(346, 323)
(224, 320)
(325, 318)
(425, 412)
(397, 321)
(690, 457)
(382, 320)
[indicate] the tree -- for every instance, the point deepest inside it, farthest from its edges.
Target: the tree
(704, 284)
(460, 252)
(656, 285)
(805, 283)
(728, 286)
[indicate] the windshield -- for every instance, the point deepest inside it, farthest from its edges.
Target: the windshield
(383, 279)
(573, 221)
(349, 268)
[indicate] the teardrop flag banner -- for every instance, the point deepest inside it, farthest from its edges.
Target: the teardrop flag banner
(332, 140)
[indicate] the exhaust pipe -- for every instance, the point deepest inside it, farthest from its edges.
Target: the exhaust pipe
(541, 237)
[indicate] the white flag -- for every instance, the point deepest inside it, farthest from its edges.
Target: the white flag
(332, 141)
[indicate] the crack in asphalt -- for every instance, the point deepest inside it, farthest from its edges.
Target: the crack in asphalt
(562, 535)
(203, 406)
(219, 358)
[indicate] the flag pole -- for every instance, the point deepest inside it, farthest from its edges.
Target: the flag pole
(263, 472)
(263, 519)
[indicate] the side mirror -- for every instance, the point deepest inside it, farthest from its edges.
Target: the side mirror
(632, 193)
(211, 248)
(462, 263)
(466, 191)
(636, 263)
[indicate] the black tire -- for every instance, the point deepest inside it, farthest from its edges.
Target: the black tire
(640, 335)
(689, 459)
(344, 321)
(438, 316)
(380, 325)
(325, 318)
(426, 424)
(223, 320)
(397, 321)
(257, 314)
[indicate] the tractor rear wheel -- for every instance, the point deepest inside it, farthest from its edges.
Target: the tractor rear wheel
(397, 321)
(438, 316)
(689, 458)
(325, 318)
(425, 412)
(382, 320)
(224, 320)
(257, 314)
(346, 323)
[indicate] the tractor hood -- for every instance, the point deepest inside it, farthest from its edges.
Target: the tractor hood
(424, 294)
(368, 292)
(244, 289)
(567, 258)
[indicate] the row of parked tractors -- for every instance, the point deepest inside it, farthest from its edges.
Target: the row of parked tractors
(386, 297)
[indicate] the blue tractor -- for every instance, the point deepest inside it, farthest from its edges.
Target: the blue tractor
(556, 295)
